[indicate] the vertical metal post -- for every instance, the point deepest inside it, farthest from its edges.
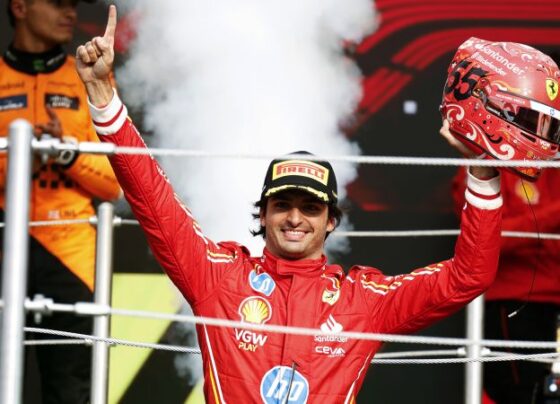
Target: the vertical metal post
(102, 297)
(15, 259)
(473, 370)
(556, 363)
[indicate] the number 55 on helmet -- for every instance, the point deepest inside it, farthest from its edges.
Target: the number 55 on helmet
(501, 98)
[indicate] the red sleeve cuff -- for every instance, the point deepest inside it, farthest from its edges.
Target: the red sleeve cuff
(109, 119)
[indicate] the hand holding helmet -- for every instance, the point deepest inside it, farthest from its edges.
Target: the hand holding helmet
(477, 171)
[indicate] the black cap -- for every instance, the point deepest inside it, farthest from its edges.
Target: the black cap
(313, 176)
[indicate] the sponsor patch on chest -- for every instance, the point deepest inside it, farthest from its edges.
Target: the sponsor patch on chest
(329, 344)
(282, 384)
(261, 282)
(13, 102)
(253, 310)
(62, 101)
(248, 340)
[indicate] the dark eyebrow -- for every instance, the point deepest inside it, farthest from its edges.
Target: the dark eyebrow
(311, 199)
(289, 196)
(279, 198)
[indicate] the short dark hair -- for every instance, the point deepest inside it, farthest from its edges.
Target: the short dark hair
(334, 213)
(12, 18)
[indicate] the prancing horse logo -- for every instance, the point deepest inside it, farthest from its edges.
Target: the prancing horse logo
(551, 89)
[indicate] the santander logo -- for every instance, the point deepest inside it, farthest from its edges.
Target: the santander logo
(331, 325)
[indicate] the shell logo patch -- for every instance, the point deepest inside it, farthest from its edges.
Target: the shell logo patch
(551, 89)
(255, 310)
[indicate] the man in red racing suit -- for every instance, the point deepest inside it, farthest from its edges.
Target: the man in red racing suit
(223, 281)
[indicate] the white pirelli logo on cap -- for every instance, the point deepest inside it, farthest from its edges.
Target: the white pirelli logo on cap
(302, 168)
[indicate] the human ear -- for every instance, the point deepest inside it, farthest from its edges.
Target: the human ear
(331, 224)
(18, 8)
(262, 217)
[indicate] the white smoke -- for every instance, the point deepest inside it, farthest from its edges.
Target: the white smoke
(244, 76)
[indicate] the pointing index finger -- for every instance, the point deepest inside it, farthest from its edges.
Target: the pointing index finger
(111, 25)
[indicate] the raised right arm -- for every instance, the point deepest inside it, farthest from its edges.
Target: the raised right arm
(194, 263)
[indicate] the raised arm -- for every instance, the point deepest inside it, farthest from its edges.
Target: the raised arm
(193, 262)
(409, 302)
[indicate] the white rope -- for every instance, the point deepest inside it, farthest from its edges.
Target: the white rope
(378, 360)
(378, 160)
(523, 234)
(337, 233)
(351, 335)
(437, 233)
(540, 360)
(109, 148)
(416, 354)
(381, 358)
(91, 309)
(441, 361)
(413, 233)
(194, 350)
(112, 341)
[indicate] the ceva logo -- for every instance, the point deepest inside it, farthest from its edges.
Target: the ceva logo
(330, 351)
(279, 385)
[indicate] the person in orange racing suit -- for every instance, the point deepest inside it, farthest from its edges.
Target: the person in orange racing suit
(291, 283)
(38, 82)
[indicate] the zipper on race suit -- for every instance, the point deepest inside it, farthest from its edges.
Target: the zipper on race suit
(294, 364)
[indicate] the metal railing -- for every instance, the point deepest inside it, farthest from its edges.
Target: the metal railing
(14, 265)
(21, 145)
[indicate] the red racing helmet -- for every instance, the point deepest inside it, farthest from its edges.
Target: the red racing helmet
(501, 98)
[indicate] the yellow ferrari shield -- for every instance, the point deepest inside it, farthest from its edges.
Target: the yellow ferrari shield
(552, 88)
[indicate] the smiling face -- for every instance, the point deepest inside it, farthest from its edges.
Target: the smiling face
(296, 224)
(44, 23)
